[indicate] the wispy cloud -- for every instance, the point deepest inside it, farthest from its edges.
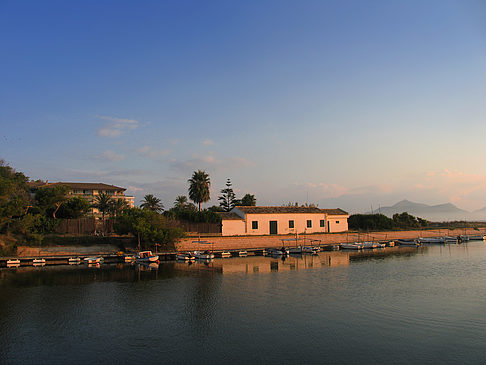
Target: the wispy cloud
(116, 126)
(110, 156)
(211, 162)
(207, 142)
(153, 153)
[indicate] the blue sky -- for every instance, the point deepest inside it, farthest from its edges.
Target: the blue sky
(342, 103)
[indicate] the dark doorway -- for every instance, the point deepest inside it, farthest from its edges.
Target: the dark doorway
(273, 227)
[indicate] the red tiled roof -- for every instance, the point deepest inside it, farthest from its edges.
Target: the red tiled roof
(229, 216)
(284, 210)
(83, 186)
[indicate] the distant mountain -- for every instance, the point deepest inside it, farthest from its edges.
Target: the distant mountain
(437, 213)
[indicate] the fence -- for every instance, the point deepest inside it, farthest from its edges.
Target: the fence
(84, 226)
(192, 227)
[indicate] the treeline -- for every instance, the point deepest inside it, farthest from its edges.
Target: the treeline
(373, 222)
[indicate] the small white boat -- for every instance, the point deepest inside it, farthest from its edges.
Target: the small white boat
(203, 255)
(225, 254)
(478, 237)
(449, 239)
(351, 246)
(276, 252)
(93, 260)
(38, 262)
(13, 262)
(431, 240)
(129, 258)
(147, 256)
(243, 253)
(408, 242)
(182, 256)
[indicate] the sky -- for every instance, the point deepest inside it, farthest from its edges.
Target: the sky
(350, 104)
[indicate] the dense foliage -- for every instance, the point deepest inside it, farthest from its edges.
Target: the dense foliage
(148, 226)
(381, 222)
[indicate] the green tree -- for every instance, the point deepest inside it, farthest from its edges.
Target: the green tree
(103, 203)
(248, 200)
(75, 207)
(199, 185)
(180, 202)
(152, 203)
(50, 198)
(148, 226)
(14, 195)
(227, 197)
(117, 207)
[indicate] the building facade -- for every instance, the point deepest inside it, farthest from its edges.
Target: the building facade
(244, 220)
(90, 191)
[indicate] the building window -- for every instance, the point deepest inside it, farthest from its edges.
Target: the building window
(291, 224)
(254, 224)
(337, 222)
(322, 222)
(309, 223)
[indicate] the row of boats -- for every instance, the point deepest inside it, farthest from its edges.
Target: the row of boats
(143, 257)
(412, 242)
(206, 255)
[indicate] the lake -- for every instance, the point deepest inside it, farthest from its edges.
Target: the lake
(395, 305)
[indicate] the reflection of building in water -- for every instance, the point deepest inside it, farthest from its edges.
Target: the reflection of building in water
(261, 264)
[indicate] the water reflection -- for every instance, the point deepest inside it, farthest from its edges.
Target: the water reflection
(85, 274)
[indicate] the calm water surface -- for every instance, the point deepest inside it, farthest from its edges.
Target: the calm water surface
(396, 305)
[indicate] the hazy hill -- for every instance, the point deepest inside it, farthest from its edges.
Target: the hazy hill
(438, 213)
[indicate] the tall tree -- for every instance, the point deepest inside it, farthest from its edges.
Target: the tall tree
(152, 203)
(199, 185)
(117, 207)
(180, 202)
(50, 198)
(14, 196)
(103, 203)
(248, 200)
(227, 198)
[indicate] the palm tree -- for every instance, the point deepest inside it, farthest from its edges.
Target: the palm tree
(180, 202)
(103, 203)
(152, 203)
(117, 206)
(199, 185)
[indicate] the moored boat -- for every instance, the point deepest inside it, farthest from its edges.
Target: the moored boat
(38, 262)
(147, 256)
(203, 255)
(450, 239)
(13, 262)
(74, 260)
(477, 237)
(407, 242)
(185, 256)
(93, 260)
(225, 254)
(242, 253)
(310, 249)
(431, 240)
(351, 246)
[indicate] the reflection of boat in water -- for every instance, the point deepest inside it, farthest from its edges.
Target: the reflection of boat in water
(13, 262)
(94, 260)
(147, 256)
(145, 265)
(74, 261)
(203, 255)
(38, 262)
